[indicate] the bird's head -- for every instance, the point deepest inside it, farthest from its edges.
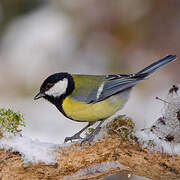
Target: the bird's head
(56, 86)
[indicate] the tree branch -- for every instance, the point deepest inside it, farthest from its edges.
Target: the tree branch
(85, 160)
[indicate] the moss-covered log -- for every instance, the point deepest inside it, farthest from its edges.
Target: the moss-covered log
(75, 158)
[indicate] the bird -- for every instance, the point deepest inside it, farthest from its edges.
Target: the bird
(93, 98)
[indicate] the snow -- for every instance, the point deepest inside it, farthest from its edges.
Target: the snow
(152, 141)
(32, 151)
(99, 167)
(164, 133)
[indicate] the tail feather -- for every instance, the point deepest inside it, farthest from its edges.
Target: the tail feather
(156, 65)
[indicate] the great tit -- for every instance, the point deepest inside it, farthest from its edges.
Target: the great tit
(92, 98)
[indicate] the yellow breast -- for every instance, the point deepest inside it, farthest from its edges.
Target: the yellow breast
(81, 111)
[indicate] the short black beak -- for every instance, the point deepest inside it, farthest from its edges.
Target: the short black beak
(39, 95)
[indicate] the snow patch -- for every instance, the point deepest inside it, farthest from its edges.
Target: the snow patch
(32, 151)
(100, 167)
(164, 133)
(152, 141)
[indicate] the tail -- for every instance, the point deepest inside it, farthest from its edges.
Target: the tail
(155, 66)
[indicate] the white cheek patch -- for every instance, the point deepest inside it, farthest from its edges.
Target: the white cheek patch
(58, 89)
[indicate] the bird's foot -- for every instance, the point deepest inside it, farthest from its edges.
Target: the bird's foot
(76, 136)
(90, 137)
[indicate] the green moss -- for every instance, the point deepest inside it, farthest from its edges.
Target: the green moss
(89, 131)
(122, 127)
(10, 121)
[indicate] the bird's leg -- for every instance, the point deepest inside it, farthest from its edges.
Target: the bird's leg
(90, 137)
(77, 135)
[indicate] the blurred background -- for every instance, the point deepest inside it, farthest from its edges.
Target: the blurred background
(38, 38)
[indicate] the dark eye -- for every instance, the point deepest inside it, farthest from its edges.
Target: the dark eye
(49, 85)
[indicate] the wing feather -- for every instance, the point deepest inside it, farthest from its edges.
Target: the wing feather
(112, 87)
(92, 89)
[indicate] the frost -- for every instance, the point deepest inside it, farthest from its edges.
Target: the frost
(152, 141)
(100, 167)
(164, 134)
(32, 151)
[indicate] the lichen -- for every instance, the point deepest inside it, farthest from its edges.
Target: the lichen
(122, 127)
(10, 121)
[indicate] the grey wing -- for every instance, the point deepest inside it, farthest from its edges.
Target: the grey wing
(113, 84)
(111, 87)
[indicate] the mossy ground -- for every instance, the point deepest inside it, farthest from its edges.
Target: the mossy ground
(122, 127)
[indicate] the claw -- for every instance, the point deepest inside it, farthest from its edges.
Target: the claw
(76, 136)
(90, 137)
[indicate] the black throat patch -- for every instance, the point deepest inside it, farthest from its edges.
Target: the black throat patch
(58, 101)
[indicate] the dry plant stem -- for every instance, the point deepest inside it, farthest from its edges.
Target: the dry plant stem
(144, 162)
